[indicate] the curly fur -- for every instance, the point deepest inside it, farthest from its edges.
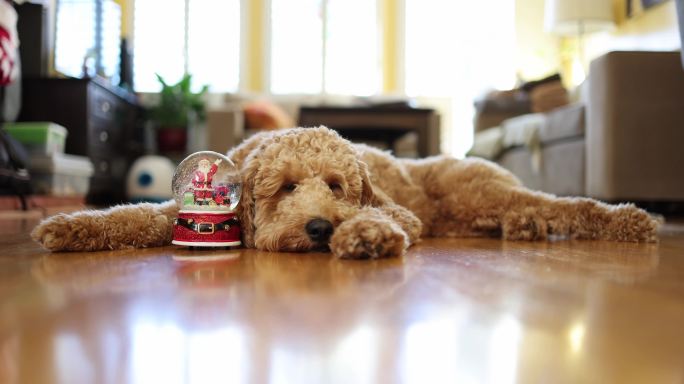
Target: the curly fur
(377, 204)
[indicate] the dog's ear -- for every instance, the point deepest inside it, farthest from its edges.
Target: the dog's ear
(246, 207)
(246, 158)
(369, 195)
(240, 153)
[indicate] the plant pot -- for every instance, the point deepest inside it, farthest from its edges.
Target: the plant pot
(172, 139)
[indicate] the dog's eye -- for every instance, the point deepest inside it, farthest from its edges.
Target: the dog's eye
(289, 187)
(335, 187)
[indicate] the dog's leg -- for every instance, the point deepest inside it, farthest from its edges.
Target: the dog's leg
(405, 219)
(533, 215)
(521, 214)
(124, 226)
(373, 233)
(478, 198)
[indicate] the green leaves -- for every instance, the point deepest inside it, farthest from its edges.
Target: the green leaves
(177, 103)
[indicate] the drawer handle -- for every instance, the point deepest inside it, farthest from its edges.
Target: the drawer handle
(106, 106)
(104, 136)
(104, 166)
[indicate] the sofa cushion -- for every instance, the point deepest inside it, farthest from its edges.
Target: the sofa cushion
(498, 106)
(563, 123)
(487, 143)
(547, 97)
(561, 171)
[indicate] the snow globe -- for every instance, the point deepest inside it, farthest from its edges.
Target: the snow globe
(207, 188)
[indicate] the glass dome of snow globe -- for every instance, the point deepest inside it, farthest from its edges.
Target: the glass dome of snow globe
(207, 182)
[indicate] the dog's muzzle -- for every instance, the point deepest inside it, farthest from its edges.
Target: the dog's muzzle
(319, 230)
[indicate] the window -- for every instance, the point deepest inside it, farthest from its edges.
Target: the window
(74, 41)
(200, 37)
(458, 50)
(296, 46)
(325, 46)
(93, 43)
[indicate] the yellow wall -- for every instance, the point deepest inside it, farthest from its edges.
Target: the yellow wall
(254, 68)
(537, 53)
(540, 53)
(125, 20)
(389, 11)
(654, 29)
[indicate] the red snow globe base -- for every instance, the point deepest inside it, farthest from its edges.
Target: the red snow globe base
(205, 229)
(207, 188)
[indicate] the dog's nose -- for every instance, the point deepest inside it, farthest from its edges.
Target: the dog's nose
(319, 230)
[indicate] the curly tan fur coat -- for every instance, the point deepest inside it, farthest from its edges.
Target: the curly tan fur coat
(309, 189)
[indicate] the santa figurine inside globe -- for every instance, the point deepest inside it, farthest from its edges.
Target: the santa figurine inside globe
(207, 188)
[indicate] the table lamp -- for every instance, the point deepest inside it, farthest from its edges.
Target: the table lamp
(577, 18)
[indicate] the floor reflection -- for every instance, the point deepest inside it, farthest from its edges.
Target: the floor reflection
(9, 358)
(576, 337)
(467, 310)
(353, 359)
(432, 349)
(93, 273)
(615, 261)
(459, 348)
(619, 262)
(166, 353)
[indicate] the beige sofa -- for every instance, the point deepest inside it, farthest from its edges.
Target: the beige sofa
(635, 127)
(624, 142)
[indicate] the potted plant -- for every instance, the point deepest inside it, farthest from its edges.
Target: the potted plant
(177, 110)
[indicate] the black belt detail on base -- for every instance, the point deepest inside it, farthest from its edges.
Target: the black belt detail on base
(206, 228)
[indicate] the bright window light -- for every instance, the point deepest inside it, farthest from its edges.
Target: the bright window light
(158, 43)
(111, 39)
(353, 60)
(74, 41)
(213, 43)
(296, 46)
(325, 46)
(459, 50)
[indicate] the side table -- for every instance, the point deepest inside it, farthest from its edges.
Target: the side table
(378, 123)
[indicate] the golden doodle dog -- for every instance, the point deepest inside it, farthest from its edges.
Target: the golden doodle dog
(310, 189)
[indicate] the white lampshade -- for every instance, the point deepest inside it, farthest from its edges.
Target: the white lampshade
(572, 17)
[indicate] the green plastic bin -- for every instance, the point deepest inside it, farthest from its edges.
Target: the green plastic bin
(40, 138)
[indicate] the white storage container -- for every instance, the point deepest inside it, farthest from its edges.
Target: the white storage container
(60, 174)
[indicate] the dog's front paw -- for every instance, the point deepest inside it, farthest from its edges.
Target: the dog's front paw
(368, 238)
(68, 233)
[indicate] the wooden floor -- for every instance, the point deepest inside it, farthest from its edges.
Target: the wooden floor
(458, 311)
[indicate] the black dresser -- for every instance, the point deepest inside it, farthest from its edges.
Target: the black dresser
(104, 124)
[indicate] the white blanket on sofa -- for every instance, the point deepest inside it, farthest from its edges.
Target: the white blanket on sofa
(516, 131)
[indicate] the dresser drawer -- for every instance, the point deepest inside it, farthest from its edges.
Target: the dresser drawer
(108, 164)
(101, 103)
(103, 134)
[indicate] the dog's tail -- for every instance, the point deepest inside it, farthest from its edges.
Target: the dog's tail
(124, 226)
